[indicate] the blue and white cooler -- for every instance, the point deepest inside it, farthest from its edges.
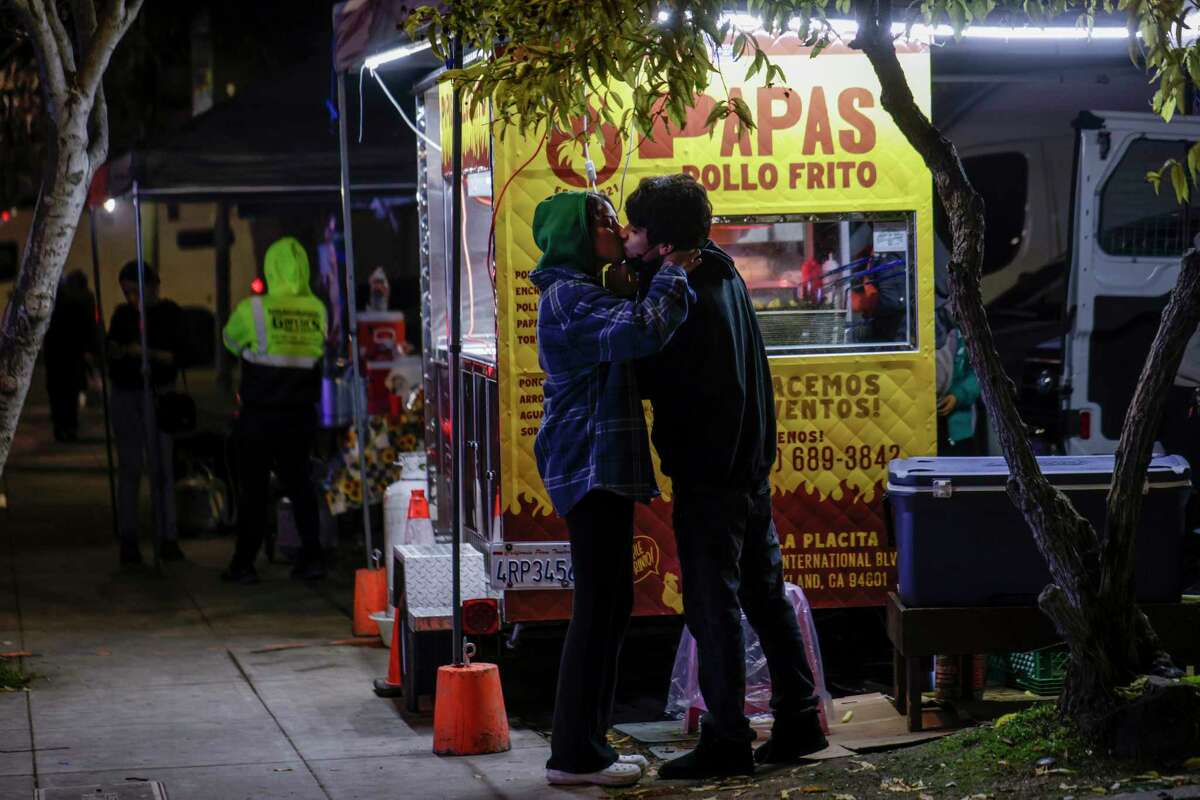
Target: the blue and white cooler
(960, 541)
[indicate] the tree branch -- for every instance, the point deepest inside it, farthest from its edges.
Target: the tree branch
(32, 14)
(66, 48)
(110, 27)
(98, 130)
(1179, 323)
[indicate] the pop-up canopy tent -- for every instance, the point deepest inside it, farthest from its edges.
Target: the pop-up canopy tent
(275, 142)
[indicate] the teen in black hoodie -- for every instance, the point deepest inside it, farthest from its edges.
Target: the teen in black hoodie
(714, 429)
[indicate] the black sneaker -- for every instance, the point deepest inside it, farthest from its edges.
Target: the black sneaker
(710, 761)
(130, 554)
(244, 576)
(791, 743)
(169, 551)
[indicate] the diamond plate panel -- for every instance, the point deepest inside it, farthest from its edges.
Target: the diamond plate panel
(427, 573)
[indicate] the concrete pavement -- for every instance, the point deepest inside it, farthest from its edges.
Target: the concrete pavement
(174, 678)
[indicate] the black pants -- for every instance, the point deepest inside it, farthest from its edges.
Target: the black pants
(281, 440)
(731, 562)
(601, 531)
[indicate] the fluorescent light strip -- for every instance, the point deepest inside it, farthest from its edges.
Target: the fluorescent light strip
(395, 54)
(848, 28)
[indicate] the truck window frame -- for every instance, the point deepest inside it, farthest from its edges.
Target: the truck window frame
(911, 340)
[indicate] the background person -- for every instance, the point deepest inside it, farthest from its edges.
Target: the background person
(70, 341)
(280, 337)
(594, 459)
(165, 338)
(957, 387)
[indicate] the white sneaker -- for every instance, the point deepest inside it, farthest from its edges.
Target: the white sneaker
(635, 758)
(619, 773)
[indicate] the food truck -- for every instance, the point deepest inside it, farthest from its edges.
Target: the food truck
(827, 212)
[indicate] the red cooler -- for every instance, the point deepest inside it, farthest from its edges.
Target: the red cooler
(381, 345)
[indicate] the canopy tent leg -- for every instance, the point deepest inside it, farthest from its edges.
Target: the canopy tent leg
(455, 359)
(108, 448)
(148, 416)
(221, 245)
(360, 411)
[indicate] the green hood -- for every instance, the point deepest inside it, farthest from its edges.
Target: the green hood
(286, 269)
(562, 233)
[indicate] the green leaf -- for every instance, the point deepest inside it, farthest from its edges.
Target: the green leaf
(1193, 161)
(1154, 177)
(743, 112)
(1179, 183)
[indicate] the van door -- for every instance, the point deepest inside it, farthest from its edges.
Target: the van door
(1125, 261)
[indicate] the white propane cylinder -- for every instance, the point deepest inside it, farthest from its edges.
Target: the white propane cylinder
(395, 508)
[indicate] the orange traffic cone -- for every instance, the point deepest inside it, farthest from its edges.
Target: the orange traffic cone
(418, 529)
(468, 713)
(370, 595)
(392, 685)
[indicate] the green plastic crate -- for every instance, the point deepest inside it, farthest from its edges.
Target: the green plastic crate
(1039, 671)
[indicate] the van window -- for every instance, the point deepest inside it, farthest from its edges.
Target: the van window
(1136, 221)
(827, 283)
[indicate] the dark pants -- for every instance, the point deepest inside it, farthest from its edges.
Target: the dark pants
(731, 562)
(601, 531)
(281, 440)
(963, 447)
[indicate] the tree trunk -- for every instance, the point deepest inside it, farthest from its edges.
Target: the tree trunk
(1091, 599)
(55, 219)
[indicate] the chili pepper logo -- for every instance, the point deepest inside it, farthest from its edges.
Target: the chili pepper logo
(561, 143)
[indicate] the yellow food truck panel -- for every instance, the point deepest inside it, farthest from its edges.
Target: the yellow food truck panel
(824, 152)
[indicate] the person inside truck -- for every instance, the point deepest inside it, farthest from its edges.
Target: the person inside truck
(594, 457)
(714, 430)
(957, 385)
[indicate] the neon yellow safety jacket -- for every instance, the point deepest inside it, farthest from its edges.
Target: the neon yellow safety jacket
(280, 336)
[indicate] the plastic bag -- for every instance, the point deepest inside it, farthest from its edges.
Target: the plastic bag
(684, 699)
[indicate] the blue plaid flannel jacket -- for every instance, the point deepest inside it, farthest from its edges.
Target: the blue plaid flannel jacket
(593, 433)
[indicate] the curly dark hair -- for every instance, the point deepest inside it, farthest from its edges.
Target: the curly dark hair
(674, 210)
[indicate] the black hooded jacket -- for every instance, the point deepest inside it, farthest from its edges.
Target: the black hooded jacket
(714, 403)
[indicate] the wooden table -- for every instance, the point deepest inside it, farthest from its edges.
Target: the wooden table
(918, 633)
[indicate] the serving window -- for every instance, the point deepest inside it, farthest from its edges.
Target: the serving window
(827, 283)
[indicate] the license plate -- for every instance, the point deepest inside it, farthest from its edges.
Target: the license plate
(531, 567)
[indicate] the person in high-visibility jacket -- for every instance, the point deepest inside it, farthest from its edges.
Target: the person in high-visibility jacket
(280, 338)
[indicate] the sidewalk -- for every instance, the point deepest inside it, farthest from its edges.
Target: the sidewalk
(170, 678)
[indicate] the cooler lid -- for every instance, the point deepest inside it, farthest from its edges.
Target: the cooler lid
(991, 472)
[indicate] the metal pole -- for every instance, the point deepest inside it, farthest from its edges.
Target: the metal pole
(456, 388)
(221, 243)
(360, 411)
(112, 485)
(151, 424)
